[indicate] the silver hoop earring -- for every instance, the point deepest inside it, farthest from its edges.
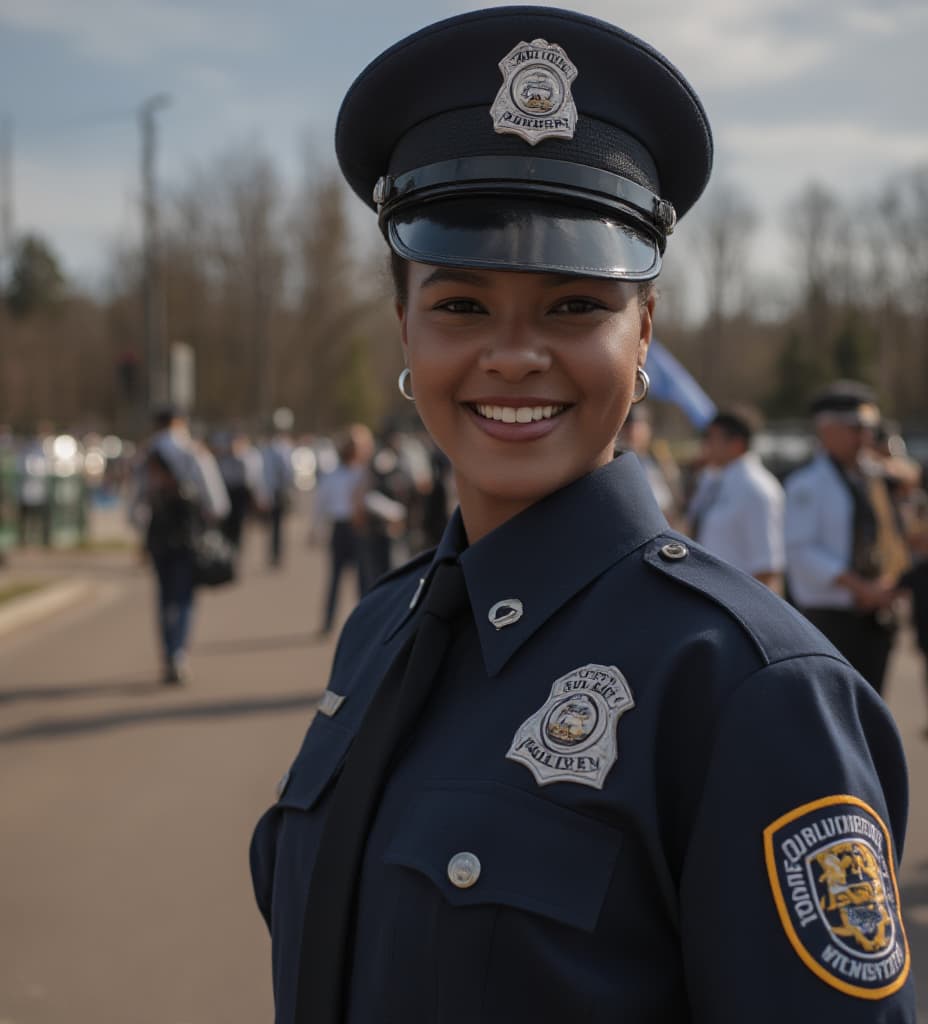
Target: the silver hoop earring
(645, 381)
(405, 378)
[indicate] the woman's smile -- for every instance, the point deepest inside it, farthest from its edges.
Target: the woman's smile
(517, 419)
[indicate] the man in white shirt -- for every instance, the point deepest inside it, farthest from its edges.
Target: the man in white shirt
(737, 510)
(833, 534)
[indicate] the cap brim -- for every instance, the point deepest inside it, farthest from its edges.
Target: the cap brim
(512, 233)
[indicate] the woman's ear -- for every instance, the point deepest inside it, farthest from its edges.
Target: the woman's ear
(646, 328)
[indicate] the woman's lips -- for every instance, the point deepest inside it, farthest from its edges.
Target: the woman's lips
(524, 419)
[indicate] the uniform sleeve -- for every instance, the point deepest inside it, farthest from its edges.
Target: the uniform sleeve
(809, 562)
(788, 901)
(763, 525)
(261, 859)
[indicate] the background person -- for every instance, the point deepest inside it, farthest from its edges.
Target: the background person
(242, 469)
(662, 471)
(737, 510)
(841, 550)
(335, 503)
(277, 487)
(382, 509)
(180, 490)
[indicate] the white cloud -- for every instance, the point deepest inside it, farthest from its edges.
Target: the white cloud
(211, 81)
(127, 31)
(885, 21)
(719, 43)
(82, 208)
(834, 151)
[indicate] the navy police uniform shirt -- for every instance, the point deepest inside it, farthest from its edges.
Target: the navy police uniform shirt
(653, 794)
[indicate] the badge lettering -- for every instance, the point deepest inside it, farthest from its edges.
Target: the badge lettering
(572, 737)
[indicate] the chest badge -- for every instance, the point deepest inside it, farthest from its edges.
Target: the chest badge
(534, 101)
(572, 736)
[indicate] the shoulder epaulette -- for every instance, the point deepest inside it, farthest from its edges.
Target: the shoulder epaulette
(777, 629)
(423, 558)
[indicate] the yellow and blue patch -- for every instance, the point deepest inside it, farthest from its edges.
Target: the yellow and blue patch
(831, 869)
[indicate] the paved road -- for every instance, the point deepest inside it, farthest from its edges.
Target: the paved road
(126, 807)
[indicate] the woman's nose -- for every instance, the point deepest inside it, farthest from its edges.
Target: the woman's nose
(515, 354)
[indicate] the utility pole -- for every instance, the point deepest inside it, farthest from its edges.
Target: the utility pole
(6, 198)
(155, 390)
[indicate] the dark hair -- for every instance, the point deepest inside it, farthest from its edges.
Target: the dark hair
(399, 268)
(738, 422)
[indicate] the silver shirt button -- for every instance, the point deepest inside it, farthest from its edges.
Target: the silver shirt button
(463, 870)
(674, 551)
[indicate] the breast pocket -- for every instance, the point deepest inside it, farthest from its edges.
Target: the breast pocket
(504, 892)
(319, 760)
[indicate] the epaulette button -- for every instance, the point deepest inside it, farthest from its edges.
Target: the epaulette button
(674, 551)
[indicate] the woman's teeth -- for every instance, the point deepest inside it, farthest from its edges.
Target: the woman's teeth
(522, 414)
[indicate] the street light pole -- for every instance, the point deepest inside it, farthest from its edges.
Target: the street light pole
(6, 198)
(155, 361)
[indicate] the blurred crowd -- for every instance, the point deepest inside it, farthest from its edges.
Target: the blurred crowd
(833, 517)
(841, 533)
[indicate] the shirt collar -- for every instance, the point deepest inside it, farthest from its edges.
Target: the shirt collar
(549, 552)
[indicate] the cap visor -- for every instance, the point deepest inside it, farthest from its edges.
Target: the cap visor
(513, 233)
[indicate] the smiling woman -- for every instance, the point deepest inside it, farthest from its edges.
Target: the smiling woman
(553, 776)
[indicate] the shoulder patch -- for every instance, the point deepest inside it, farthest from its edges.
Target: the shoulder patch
(831, 871)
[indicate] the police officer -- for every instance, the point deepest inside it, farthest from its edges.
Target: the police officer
(568, 767)
(841, 557)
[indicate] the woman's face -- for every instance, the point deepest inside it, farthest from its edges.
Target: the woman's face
(522, 379)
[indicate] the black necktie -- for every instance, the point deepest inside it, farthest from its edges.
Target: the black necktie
(330, 905)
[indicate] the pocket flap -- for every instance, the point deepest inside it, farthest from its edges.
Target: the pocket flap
(324, 749)
(533, 854)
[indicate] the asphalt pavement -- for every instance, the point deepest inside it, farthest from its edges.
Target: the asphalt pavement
(126, 806)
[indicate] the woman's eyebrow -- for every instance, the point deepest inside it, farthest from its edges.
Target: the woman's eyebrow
(556, 280)
(456, 276)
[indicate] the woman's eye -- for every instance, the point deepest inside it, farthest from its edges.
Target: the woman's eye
(577, 306)
(460, 306)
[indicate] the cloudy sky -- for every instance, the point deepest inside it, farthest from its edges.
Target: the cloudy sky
(830, 90)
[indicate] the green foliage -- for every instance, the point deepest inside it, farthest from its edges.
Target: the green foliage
(791, 391)
(854, 350)
(36, 282)
(806, 363)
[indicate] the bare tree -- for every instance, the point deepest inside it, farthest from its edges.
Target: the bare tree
(331, 297)
(251, 250)
(721, 237)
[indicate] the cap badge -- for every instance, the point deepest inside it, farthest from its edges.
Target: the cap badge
(534, 101)
(572, 736)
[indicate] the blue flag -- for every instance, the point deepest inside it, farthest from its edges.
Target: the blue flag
(672, 382)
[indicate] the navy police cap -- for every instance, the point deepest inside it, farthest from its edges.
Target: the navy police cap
(848, 401)
(526, 138)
